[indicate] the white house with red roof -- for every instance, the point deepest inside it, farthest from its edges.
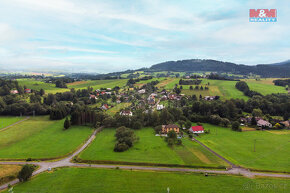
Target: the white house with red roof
(196, 129)
(27, 90)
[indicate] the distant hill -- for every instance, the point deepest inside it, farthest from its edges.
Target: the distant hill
(265, 70)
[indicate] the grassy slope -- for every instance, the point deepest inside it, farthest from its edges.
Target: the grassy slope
(6, 121)
(149, 149)
(117, 108)
(124, 181)
(272, 150)
(8, 172)
(37, 85)
(265, 86)
(40, 138)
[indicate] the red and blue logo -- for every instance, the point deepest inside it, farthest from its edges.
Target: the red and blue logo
(263, 15)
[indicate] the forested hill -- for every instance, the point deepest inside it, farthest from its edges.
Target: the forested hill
(265, 70)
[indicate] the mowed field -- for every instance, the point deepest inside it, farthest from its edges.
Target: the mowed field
(37, 85)
(8, 172)
(75, 180)
(150, 149)
(39, 138)
(8, 120)
(265, 86)
(271, 149)
(112, 111)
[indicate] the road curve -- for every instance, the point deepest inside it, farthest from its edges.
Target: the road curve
(44, 166)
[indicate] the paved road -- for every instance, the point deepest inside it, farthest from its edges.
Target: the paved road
(44, 166)
(14, 124)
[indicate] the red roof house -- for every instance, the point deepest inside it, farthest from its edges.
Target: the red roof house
(196, 129)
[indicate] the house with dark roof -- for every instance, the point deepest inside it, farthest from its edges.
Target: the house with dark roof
(170, 127)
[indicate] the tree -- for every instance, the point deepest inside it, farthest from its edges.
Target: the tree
(187, 124)
(125, 139)
(158, 129)
(236, 126)
(41, 92)
(25, 173)
(172, 135)
(257, 113)
(67, 123)
(137, 125)
(253, 121)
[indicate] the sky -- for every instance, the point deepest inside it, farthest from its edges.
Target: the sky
(109, 36)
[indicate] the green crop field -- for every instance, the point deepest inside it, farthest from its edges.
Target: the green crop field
(97, 84)
(150, 149)
(265, 86)
(37, 85)
(272, 149)
(8, 120)
(125, 181)
(40, 137)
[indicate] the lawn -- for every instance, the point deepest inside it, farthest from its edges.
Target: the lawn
(8, 120)
(37, 85)
(97, 84)
(272, 150)
(125, 181)
(265, 86)
(112, 111)
(8, 172)
(40, 137)
(150, 149)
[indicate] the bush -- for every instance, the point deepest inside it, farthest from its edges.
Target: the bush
(236, 126)
(170, 142)
(120, 147)
(179, 142)
(25, 173)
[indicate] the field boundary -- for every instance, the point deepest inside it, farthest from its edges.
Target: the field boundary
(108, 162)
(5, 128)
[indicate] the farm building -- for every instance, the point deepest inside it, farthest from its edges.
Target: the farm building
(196, 129)
(27, 90)
(263, 123)
(167, 128)
(126, 113)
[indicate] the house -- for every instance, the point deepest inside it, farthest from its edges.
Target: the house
(263, 123)
(142, 91)
(153, 95)
(159, 107)
(171, 96)
(210, 98)
(285, 123)
(108, 93)
(27, 90)
(118, 101)
(93, 96)
(164, 97)
(109, 89)
(167, 128)
(105, 107)
(196, 129)
(14, 91)
(126, 113)
(151, 101)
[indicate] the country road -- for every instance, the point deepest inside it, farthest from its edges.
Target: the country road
(44, 166)
(14, 124)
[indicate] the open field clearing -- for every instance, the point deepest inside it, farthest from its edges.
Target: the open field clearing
(40, 137)
(117, 108)
(271, 150)
(96, 84)
(8, 172)
(125, 181)
(37, 85)
(265, 86)
(8, 120)
(150, 149)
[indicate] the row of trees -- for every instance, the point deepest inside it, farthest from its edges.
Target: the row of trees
(243, 86)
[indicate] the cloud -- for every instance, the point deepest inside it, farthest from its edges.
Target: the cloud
(73, 49)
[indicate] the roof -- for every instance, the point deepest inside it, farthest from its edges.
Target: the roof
(197, 128)
(171, 126)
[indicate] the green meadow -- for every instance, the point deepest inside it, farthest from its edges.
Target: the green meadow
(150, 149)
(97, 84)
(39, 138)
(91, 180)
(271, 148)
(8, 172)
(37, 85)
(8, 120)
(265, 86)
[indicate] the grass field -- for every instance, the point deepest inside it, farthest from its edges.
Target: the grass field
(272, 150)
(40, 138)
(37, 85)
(123, 181)
(117, 108)
(150, 149)
(8, 120)
(8, 172)
(97, 84)
(265, 86)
